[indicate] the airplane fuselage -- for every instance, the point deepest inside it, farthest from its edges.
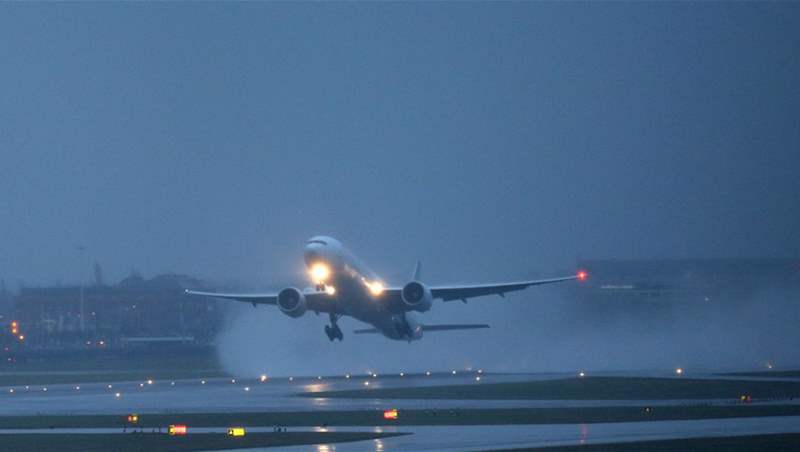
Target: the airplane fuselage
(355, 290)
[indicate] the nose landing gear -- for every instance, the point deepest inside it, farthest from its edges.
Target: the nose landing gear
(333, 331)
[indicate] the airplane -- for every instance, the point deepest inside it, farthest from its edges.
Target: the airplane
(343, 286)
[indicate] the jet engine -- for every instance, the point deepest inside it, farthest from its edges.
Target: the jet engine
(417, 296)
(292, 302)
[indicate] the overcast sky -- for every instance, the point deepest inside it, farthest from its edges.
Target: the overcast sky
(490, 140)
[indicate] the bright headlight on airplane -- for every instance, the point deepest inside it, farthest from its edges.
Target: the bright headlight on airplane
(330, 290)
(375, 288)
(320, 272)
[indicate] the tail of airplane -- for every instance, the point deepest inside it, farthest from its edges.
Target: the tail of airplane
(452, 327)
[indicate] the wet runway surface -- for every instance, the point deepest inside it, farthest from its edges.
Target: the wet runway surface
(476, 438)
(273, 394)
(229, 395)
(280, 394)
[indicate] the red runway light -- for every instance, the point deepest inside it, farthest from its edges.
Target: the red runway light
(390, 414)
(582, 275)
(178, 430)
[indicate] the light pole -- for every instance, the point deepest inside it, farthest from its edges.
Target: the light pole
(82, 323)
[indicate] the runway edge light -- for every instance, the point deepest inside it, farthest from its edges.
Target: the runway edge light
(236, 431)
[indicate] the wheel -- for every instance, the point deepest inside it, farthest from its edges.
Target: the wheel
(330, 333)
(339, 334)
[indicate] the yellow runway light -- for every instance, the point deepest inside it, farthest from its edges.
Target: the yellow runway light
(236, 431)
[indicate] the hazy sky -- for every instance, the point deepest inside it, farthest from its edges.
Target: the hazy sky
(490, 140)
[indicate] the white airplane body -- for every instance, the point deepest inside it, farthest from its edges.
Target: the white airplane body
(345, 287)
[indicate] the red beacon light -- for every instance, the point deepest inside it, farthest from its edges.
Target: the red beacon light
(582, 275)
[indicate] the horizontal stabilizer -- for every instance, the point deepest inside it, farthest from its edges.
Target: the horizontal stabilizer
(454, 327)
(467, 326)
(367, 331)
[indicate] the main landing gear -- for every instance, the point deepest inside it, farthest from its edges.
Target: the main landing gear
(333, 331)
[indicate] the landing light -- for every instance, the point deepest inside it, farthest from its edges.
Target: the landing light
(330, 290)
(679, 371)
(375, 288)
(320, 272)
(263, 378)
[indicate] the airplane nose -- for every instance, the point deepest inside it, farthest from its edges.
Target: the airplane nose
(313, 252)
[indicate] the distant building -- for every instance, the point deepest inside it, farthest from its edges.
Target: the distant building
(134, 308)
(649, 285)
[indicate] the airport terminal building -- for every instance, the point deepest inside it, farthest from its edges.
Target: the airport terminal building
(134, 311)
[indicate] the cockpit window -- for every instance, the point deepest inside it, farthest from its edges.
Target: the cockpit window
(321, 242)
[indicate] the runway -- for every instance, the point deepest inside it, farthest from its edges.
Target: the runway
(279, 394)
(272, 394)
(477, 438)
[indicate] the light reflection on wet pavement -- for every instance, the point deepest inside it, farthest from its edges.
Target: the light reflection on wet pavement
(274, 394)
(279, 394)
(473, 438)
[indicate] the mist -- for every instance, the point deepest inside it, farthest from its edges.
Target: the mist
(494, 142)
(540, 332)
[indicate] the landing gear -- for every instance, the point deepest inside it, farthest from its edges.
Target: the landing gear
(333, 331)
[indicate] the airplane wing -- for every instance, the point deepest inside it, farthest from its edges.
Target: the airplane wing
(317, 301)
(249, 298)
(449, 293)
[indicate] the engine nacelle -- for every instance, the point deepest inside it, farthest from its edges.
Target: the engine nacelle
(292, 302)
(417, 296)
